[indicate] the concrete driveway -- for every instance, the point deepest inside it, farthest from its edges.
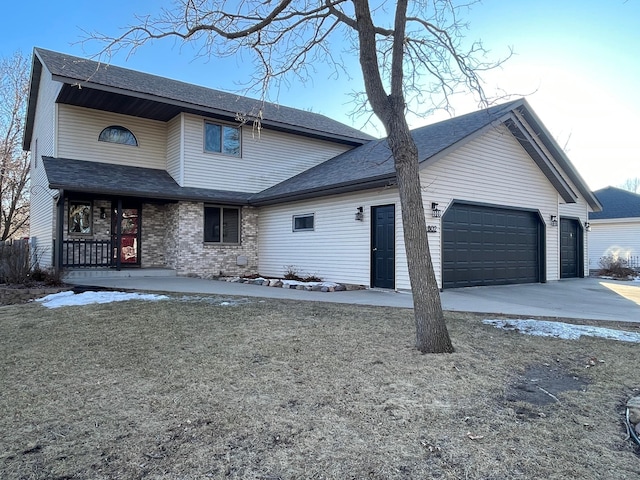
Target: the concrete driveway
(585, 298)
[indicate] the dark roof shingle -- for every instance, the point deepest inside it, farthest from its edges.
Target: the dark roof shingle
(372, 162)
(616, 203)
(88, 72)
(121, 180)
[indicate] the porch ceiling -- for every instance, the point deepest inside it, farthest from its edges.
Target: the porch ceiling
(121, 180)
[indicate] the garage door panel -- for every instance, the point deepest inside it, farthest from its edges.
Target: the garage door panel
(489, 246)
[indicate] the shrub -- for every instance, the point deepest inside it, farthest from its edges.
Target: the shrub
(19, 266)
(48, 277)
(616, 267)
(15, 262)
(291, 273)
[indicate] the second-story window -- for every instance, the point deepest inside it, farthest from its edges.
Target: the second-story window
(118, 134)
(221, 139)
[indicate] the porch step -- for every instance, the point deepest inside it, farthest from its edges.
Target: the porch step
(78, 273)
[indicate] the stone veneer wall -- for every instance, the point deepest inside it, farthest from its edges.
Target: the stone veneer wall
(172, 233)
(190, 255)
(153, 235)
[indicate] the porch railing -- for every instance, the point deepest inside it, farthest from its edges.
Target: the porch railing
(86, 253)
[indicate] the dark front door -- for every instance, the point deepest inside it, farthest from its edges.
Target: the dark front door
(383, 251)
(485, 245)
(570, 249)
(125, 234)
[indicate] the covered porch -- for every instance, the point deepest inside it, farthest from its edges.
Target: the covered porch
(116, 218)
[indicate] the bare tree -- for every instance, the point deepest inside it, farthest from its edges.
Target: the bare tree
(411, 56)
(631, 184)
(14, 162)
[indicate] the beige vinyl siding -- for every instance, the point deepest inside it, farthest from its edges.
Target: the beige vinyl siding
(266, 159)
(175, 154)
(339, 247)
(42, 222)
(492, 169)
(618, 237)
(78, 130)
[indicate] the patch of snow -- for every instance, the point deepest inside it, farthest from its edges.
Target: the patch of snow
(69, 298)
(567, 331)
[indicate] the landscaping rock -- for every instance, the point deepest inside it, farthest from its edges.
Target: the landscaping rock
(340, 288)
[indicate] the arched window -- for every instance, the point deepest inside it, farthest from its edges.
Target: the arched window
(118, 134)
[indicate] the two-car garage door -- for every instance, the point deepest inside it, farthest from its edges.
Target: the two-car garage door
(491, 246)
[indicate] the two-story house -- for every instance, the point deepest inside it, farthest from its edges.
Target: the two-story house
(131, 170)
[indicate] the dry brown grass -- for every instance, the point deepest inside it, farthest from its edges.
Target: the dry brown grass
(190, 389)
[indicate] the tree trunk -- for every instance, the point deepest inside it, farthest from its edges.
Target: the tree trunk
(431, 331)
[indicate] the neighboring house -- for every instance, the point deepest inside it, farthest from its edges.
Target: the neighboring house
(134, 170)
(615, 231)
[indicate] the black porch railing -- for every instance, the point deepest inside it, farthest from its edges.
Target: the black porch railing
(86, 253)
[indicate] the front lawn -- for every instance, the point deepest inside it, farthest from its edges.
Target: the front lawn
(196, 387)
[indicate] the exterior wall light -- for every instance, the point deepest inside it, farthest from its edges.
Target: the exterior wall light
(435, 211)
(360, 214)
(554, 220)
(103, 213)
(587, 226)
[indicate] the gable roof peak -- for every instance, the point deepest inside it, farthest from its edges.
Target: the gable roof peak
(176, 95)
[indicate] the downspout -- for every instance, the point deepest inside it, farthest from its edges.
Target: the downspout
(59, 232)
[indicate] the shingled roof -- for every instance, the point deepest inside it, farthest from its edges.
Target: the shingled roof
(371, 165)
(131, 92)
(616, 203)
(122, 180)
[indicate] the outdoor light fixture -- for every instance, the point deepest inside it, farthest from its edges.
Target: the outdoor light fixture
(360, 214)
(435, 212)
(587, 226)
(103, 213)
(554, 220)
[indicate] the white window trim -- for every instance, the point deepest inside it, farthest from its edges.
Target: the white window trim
(293, 222)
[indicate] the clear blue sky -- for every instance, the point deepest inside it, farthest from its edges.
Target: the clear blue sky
(578, 60)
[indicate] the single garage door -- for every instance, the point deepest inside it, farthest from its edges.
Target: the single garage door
(490, 246)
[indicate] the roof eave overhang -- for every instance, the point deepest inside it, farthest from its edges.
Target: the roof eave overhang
(385, 181)
(545, 164)
(614, 220)
(551, 145)
(34, 85)
(150, 195)
(210, 111)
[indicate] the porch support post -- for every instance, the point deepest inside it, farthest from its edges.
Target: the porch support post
(59, 232)
(119, 234)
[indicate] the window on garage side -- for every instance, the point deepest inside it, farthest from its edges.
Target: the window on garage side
(221, 139)
(304, 222)
(221, 224)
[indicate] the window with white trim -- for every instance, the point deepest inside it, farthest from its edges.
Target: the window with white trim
(220, 138)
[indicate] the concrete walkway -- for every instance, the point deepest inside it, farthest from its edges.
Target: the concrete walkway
(588, 298)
